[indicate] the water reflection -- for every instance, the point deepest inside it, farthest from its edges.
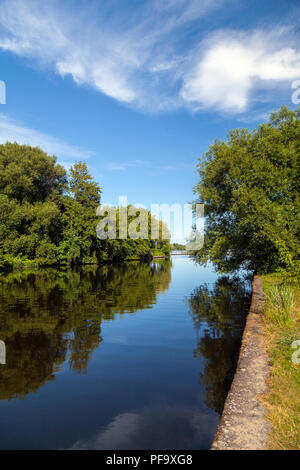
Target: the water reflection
(219, 316)
(132, 379)
(50, 316)
(157, 427)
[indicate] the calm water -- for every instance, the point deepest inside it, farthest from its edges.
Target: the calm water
(131, 357)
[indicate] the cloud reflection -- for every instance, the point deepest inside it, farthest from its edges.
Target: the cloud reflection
(160, 427)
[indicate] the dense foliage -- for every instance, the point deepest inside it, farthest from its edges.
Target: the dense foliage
(48, 216)
(250, 188)
(178, 246)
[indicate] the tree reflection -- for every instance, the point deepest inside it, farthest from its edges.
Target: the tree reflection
(50, 316)
(219, 317)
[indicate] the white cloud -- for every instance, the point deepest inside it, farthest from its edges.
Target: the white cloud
(49, 34)
(11, 131)
(121, 58)
(234, 64)
(147, 59)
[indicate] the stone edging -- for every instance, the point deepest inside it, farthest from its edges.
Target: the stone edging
(243, 425)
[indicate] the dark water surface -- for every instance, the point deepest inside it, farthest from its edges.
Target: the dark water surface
(131, 357)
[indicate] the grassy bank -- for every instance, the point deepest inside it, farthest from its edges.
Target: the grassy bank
(282, 322)
(158, 253)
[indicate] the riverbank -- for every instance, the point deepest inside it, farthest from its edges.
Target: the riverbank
(243, 424)
(262, 409)
(282, 333)
(9, 262)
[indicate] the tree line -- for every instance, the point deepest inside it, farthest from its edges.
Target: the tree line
(48, 215)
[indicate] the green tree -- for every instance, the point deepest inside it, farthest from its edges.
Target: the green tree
(82, 186)
(31, 183)
(250, 188)
(29, 174)
(140, 248)
(79, 240)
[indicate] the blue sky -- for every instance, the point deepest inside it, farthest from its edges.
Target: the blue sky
(140, 89)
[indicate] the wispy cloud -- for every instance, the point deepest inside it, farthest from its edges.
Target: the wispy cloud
(146, 58)
(11, 131)
(146, 164)
(130, 57)
(121, 166)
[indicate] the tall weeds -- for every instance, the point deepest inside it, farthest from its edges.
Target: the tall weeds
(280, 300)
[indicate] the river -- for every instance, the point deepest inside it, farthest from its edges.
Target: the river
(136, 356)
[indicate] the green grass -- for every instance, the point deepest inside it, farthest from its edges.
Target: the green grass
(279, 302)
(282, 324)
(157, 252)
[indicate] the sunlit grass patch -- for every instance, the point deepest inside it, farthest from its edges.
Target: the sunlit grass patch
(282, 322)
(279, 302)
